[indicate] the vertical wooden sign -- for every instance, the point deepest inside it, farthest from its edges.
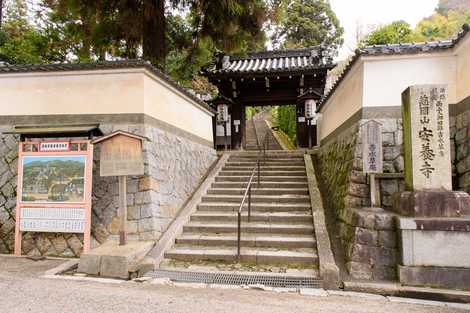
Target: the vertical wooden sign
(121, 155)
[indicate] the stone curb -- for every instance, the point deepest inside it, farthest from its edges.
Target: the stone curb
(396, 290)
(310, 292)
(329, 271)
(176, 227)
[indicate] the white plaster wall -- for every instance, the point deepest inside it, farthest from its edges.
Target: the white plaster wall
(344, 102)
(385, 78)
(102, 92)
(175, 109)
(463, 69)
(71, 93)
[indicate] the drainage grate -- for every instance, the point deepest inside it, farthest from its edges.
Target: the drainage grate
(278, 281)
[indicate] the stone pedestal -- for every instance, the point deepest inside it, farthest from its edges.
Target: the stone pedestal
(432, 203)
(435, 252)
(433, 221)
(114, 261)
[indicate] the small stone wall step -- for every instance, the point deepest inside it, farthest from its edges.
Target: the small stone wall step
(264, 169)
(263, 179)
(279, 185)
(254, 158)
(288, 153)
(252, 255)
(248, 240)
(264, 173)
(256, 191)
(285, 217)
(250, 227)
(270, 163)
(257, 198)
(264, 207)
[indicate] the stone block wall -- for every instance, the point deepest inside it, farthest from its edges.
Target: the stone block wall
(460, 149)
(367, 235)
(174, 166)
(369, 240)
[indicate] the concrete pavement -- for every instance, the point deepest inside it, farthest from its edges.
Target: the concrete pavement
(24, 289)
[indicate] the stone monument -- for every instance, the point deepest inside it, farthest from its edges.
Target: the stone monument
(434, 222)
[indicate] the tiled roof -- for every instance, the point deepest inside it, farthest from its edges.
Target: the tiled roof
(288, 60)
(103, 65)
(395, 49)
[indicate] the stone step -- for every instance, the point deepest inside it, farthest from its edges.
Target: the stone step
(264, 169)
(263, 179)
(247, 240)
(261, 207)
(248, 227)
(254, 158)
(270, 163)
(256, 216)
(265, 173)
(257, 199)
(252, 255)
(271, 185)
(258, 191)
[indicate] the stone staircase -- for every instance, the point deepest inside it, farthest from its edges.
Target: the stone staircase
(251, 141)
(256, 131)
(280, 234)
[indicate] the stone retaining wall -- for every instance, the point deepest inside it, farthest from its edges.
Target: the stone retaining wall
(367, 235)
(460, 150)
(174, 166)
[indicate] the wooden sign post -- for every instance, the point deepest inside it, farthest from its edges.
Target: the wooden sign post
(121, 155)
(372, 156)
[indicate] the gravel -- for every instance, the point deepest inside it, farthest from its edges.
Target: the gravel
(23, 289)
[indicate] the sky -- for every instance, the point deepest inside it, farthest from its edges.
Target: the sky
(29, 159)
(375, 12)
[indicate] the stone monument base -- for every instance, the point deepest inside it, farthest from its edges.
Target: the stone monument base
(434, 251)
(114, 261)
(436, 277)
(432, 203)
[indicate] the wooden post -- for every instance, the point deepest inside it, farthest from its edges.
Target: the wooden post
(123, 210)
(374, 191)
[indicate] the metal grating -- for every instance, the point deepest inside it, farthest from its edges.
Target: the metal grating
(278, 281)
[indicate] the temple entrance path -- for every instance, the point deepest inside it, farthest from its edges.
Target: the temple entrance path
(257, 129)
(279, 238)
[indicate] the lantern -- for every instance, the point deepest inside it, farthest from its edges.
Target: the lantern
(222, 113)
(310, 107)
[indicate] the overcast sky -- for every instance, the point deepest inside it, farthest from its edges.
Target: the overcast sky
(367, 12)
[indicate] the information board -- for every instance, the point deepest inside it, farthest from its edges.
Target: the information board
(54, 188)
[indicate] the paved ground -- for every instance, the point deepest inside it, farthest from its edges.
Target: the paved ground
(24, 290)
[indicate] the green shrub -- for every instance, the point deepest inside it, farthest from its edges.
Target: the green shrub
(286, 120)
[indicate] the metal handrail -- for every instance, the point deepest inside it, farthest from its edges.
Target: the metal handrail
(248, 192)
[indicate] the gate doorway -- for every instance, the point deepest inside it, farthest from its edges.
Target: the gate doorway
(259, 132)
(283, 77)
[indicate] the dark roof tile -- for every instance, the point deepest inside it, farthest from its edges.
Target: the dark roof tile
(278, 61)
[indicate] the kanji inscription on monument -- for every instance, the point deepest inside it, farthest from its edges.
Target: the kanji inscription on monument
(426, 138)
(372, 147)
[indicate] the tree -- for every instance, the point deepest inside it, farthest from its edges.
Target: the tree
(444, 6)
(438, 27)
(22, 42)
(396, 32)
(1, 12)
(124, 27)
(154, 31)
(307, 23)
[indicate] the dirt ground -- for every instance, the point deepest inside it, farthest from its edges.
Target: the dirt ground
(24, 289)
